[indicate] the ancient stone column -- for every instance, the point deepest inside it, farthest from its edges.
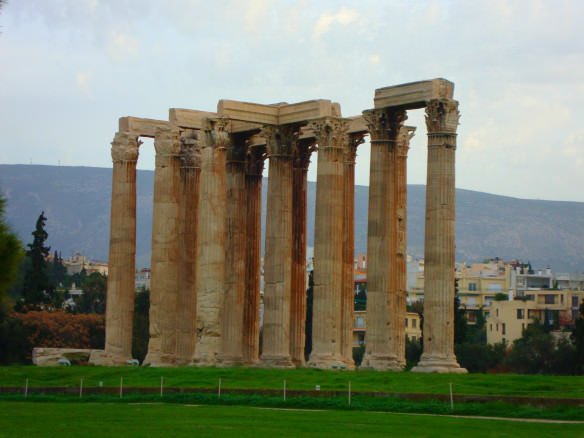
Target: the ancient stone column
(382, 314)
(328, 244)
(298, 291)
(210, 266)
(186, 310)
(441, 121)
(164, 282)
(120, 283)
(401, 279)
(281, 143)
(348, 293)
(253, 225)
(233, 315)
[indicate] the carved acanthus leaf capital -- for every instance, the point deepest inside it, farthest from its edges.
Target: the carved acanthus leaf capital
(190, 152)
(167, 141)
(330, 131)
(281, 140)
(350, 150)
(384, 123)
(442, 116)
(304, 150)
(125, 147)
(255, 158)
(403, 141)
(216, 133)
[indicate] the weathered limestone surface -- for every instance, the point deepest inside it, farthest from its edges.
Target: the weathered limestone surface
(405, 134)
(235, 250)
(441, 121)
(328, 244)
(281, 143)
(186, 310)
(251, 313)
(382, 306)
(211, 245)
(49, 357)
(348, 294)
(120, 296)
(165, 250)
(414, 94)
(298, 291)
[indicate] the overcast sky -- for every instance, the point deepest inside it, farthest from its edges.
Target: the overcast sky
(70, 68)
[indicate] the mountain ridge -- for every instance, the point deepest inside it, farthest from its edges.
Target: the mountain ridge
(76, 201)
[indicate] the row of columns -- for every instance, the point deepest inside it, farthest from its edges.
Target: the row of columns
(206, 244)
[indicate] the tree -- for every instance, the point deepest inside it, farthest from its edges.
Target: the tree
(308, 325)
(141, 325)
(460, 323)
(37, 289)
(94, 295)
(10, 255)
(533, 353)
(577, 338)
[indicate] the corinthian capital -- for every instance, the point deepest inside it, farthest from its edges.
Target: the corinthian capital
(384, 123)
(330, 131)
(403, 141)
(350, 149)
(281, 140)
(255, 160)
(216, 133)
(125, 147)
(190, 151)
(167, 141)
(442, 116)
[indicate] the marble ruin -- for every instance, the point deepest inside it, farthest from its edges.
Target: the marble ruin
(206, 233)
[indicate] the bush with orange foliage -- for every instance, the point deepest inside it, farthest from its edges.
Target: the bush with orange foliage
(60, 330)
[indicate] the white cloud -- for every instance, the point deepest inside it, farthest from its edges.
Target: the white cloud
(122, 46)
(343, 16)
(83, 81)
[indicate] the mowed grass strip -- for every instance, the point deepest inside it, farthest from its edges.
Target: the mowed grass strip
(302, 379)
(152, 420)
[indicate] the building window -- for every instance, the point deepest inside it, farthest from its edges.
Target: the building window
(491, 328)
(550, 299)
(497, 313)
(574, 301)
(413, 338)
(520, 313)
(361, 338)
(494, 287)
(406, 322)
(503, 328)
(360, 323)
(414, 323)
(472, 286)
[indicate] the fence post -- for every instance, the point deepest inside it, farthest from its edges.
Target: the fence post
(161, 385)
(26, 389)
(349, 393)
(451, 398)
(284, 389)
(121, 387)
(219, 389)
(81, 388)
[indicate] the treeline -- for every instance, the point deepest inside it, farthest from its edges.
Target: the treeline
(36, 309)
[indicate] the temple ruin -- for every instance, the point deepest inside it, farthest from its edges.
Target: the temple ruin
(206, 233)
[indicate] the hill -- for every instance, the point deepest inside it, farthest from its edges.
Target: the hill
(76, 201)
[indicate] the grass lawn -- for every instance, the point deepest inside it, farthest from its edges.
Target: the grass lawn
(258, 378)
(19, 419)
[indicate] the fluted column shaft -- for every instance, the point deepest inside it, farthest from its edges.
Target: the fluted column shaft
(210, 264)
(253, 226)
(165, 250)
(281, 142)
(382, 313)
(186, 310)
(236, 216)
(401, 280)
(438, 356)
(328, 245)
(122, 251)
(298, 291)
(348, 293)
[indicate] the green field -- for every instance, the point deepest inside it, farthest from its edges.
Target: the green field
(306, 379)
(151, 420)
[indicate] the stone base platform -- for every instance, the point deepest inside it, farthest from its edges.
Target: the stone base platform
(380, 363)
(325, 362)
(438, 364)
(49, 357)
(276, 362)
